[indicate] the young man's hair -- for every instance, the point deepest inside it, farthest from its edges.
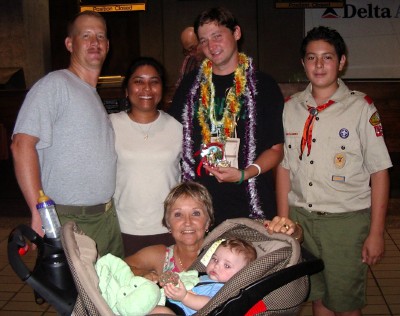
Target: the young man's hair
(242, 247)
(71, 24)
(219, 15)
(326, 34)
(189, 189)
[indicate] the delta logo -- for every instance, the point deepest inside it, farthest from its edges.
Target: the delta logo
(369, 12)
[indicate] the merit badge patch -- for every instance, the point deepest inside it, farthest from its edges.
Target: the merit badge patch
(375, 119)
(340, 160)
(344, 133)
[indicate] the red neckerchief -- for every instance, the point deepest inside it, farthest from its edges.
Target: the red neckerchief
(308, 126)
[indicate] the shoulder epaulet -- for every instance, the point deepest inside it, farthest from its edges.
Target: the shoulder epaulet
(368, 99)
(362, 95)
(288, 98)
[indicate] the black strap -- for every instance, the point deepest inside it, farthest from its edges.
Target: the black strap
(207, 282)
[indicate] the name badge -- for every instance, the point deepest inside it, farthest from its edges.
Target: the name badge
(338, 178)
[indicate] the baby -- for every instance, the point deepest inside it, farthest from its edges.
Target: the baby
(230, 257)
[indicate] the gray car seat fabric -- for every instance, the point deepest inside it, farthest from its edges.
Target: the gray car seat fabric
(81, 254)
(274, 253)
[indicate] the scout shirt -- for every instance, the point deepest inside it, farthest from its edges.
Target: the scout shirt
(347, 146)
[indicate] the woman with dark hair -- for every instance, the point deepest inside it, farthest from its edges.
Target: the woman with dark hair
(148, 145)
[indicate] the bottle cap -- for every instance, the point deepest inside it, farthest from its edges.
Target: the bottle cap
(43, 200)
(42, 197)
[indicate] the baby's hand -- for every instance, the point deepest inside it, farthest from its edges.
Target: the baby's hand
(176, 293)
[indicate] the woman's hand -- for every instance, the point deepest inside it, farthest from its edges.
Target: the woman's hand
(148, 274)
(152, 276)
(284, 225)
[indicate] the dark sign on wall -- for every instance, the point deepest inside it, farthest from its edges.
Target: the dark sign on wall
(112, 5)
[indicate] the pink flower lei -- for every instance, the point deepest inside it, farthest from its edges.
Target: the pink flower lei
(188, 164)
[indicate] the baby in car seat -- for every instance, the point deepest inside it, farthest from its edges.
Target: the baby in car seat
(230, 256)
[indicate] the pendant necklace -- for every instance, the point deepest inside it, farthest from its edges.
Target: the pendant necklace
(142, 130)
(145, 133)
(179, 261)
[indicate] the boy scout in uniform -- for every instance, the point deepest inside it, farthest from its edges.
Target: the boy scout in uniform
(333, 179)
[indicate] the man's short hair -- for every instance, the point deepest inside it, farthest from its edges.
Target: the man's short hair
(219, 15)
(70, 27)
(326, 34)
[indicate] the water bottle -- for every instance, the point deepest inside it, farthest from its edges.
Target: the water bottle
(47, 211)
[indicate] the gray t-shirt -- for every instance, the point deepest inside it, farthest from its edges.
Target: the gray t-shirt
(76, 140)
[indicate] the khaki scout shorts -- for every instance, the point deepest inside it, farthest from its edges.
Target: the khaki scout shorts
(338, 240)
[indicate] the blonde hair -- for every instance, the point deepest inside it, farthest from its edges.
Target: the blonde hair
(189, 189)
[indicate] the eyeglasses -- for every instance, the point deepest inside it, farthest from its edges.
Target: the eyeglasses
(189, 51)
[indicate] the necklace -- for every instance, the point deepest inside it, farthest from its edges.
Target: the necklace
(140, 126)
(206, 111)
(145, 133)
(179, 261)
(189, 116)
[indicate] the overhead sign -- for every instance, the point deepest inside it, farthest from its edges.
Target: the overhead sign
(371, 30)
(293, 4)
(114, 7)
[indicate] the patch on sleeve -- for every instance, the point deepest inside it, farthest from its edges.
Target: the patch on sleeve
(378, 130)
(368, 99)
(375, 119)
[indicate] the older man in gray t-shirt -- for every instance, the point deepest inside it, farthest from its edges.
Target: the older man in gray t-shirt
(63, 141)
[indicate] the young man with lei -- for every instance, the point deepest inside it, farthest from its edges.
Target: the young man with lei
(232, 123)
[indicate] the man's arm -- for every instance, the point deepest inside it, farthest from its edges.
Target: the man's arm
(267, 160)
(27, 172)
(374, 245)
(282, 190)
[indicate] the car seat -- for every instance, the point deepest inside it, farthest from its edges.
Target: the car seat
(278, 277)
(276, 283)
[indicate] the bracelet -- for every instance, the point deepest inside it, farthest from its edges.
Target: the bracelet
(258, 168)
(241, 177)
